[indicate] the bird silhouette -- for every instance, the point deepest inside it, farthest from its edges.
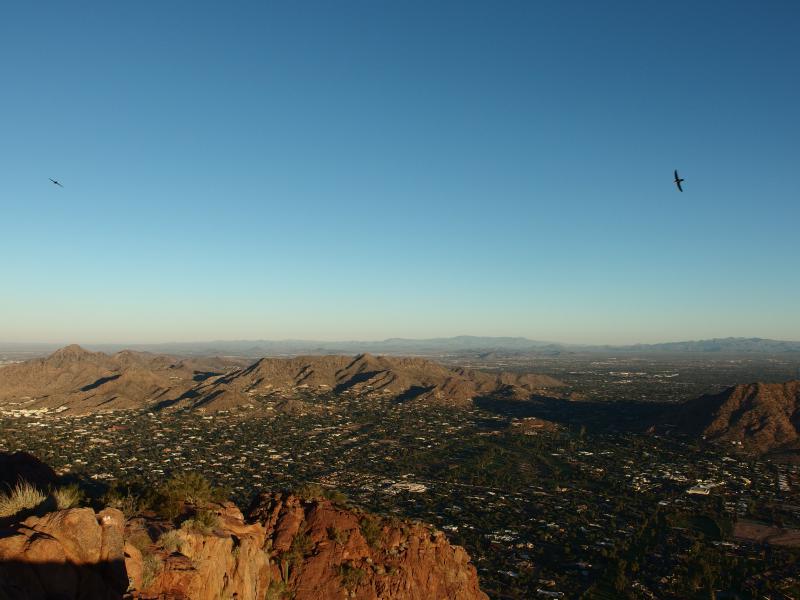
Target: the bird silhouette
(678, 181)
(54, 181)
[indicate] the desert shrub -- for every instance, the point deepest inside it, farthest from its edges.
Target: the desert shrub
(340, 536)
(207, 518)
(130, 496)
(188, 487)
(151, 566)
(67, 497)
(371, 530)
(204, 521)
(171, 541)
(169, 507)
(23, 496)
(129, 504)
(221, 493)
(168, 500)
(278, 590)
(302, 545)
(313, 491)
(351, 576)
(336, 496)
(309, 491)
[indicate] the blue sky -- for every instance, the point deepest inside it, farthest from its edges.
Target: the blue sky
(361, 170)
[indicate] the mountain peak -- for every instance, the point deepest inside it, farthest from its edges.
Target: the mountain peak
(756, 415)
(73, 351)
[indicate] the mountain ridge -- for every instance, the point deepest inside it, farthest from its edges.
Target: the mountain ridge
(73, 379)
(758, 416)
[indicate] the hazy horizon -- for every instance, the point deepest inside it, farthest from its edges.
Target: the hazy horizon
(364, 170)
(351, 340)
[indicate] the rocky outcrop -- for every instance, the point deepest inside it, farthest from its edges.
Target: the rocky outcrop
(72, 553)
(289, 547)
(322, 550)
(228, 560)
(759, 416)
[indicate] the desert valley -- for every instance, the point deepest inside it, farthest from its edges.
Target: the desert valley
(520, 458)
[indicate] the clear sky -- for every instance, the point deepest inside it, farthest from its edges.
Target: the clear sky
(366, 169)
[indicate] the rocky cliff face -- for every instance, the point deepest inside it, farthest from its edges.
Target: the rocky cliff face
(322, 550)
(287, 548)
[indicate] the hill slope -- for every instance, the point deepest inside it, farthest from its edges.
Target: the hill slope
(75, 380)
(761, 416)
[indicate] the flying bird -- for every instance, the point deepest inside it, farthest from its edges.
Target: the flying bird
(678, 181)
(54, 181)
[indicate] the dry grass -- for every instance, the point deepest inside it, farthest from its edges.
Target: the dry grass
(205, 521)
(151, 567)
(171, 541)
(67, 497)
(23, 496)
(278, 590)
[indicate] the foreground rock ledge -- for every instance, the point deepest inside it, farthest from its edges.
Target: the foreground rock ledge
(287, 547)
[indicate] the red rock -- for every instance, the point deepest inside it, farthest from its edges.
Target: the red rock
(78, 554)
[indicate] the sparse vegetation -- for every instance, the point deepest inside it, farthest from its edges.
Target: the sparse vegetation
(371, 530)
(21, 497)
(313, 491)
(204, 521)
(350, 576)
(67, 497)
(131, 496)
(188, 487)
(151, 566)
(171, 541)
(278, 590)
(340, 536)
(337, 497)
(151, 563)
(302, 545)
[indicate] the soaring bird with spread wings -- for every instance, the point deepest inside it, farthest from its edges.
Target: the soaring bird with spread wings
(678, 181)
(54, 181)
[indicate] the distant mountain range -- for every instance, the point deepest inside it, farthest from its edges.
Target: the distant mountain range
(473, 344)
(74, 380)
(730, 345)
(464, 344)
